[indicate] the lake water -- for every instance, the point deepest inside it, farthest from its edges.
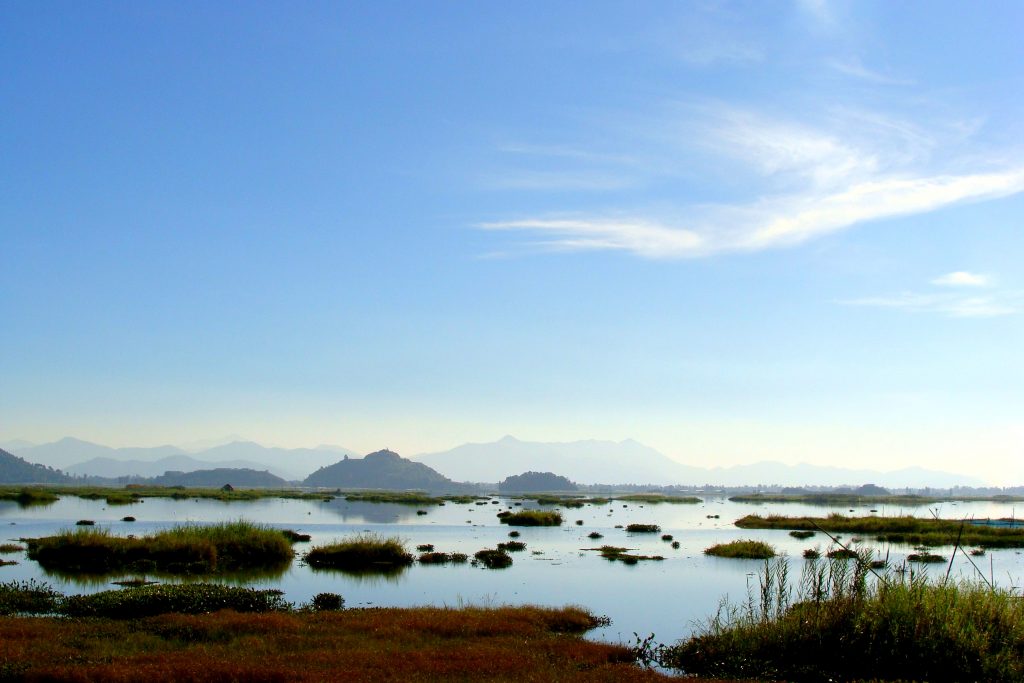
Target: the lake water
(667, 598)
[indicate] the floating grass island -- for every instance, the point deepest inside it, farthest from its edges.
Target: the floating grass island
(362, 553)
(531, 518)
(615, 553)
(747, 550)
(903, 529)
(185, 549)
(643, 528)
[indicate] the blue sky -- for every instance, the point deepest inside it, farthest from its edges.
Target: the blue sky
(732, 231)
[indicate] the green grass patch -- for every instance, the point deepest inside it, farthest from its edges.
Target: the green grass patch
(185, 549)
(442, 558)
(362, 553)
(747, 550)
(903, 529)
(801, 534)
(6, 548)
(614, 553)
(27, 496)
(512, 546)
(533, 518)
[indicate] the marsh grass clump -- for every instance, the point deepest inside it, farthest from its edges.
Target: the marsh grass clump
(841, 554)
(925, 558)
(365, 552)
(293, 536)
(595, 535)
(442, 558)
(667, 537)
(493, 559)
(840, 622)
(512, 546)
(128, 518)
(812, 554)
(184, 549)
(425, 547)
(675, 545)
(579, 522)
(643, 528)
(189, 598)
(533, 518)
(748, 550)
(7, 548)
(801, 534)
(85, 522)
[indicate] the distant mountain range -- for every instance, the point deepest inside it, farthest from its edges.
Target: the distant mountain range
(584, 462)
(89, 459)
(630, 462)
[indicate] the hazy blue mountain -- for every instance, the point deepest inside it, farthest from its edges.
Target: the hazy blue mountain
(585, 462)
(69, 451)
(83, 457)
(112, 468)
(630, 462)
(15, 445)
(15, 470)
(380, 470)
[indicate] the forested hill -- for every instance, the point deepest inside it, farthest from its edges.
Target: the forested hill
(15, 470)
(381, 470)
(216, 478)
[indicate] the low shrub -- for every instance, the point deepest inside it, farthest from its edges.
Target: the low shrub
(667, 537)
(327, 602)
(28, 597)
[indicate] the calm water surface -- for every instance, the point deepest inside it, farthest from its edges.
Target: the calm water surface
(667, 598)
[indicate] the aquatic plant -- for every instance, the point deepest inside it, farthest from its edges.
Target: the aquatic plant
(512, 546)
(643, 528)
(188, 598)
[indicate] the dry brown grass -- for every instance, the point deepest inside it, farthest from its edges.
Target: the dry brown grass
(424, 644)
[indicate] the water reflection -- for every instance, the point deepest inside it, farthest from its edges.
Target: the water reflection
(352, 512)
(97, 579)
(389, 574)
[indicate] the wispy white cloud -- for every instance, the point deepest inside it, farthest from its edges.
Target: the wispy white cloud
(769, 223)
(949, 304)
(854, 167)
(854, 68)
(962, 278)
(956, 304)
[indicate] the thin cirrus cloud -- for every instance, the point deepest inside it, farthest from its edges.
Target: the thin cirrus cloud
(812, 182)
(953, 298)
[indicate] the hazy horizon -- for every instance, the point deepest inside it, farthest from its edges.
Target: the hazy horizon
(733, 231)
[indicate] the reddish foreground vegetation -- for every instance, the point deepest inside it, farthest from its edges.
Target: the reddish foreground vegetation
(424, 644)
